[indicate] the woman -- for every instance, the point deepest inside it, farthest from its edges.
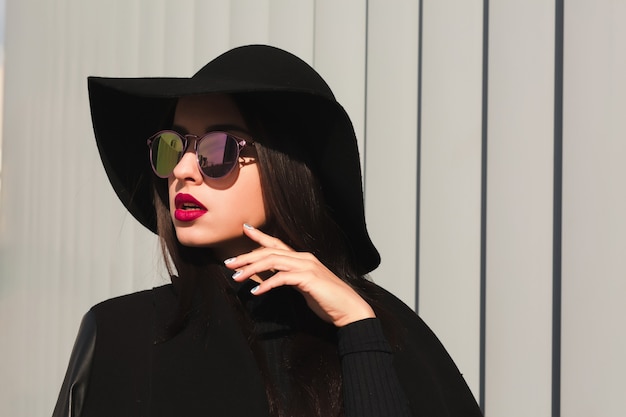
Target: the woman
(251, 179)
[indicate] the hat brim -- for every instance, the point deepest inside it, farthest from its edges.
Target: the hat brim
(126, 111)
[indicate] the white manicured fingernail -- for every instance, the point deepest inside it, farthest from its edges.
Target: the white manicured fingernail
(236, 274)
(229, 260)
(248, 226)
(255, 289)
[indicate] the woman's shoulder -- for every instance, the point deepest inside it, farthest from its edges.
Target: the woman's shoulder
(135, 299)
(391, 304)
(134, 308)
(403, 325)
(423, 364)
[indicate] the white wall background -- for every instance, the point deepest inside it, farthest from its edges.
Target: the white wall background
(457, 107)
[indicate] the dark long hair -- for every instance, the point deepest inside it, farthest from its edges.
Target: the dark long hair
(286, 137)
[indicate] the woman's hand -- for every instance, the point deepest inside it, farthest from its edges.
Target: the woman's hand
(326, 294)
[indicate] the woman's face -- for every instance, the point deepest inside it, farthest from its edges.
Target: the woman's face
(211, 212)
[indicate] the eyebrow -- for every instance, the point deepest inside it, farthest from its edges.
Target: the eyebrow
(214, 128)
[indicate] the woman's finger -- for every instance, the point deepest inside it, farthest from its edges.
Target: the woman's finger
(247, 265)
(264, 239)
(259, 254)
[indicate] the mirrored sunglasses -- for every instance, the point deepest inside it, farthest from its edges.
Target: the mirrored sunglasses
(217, 152)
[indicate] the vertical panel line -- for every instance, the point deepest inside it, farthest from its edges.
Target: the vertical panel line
(365, 64)
(557, 209)
(483, 206)
(314, 45)
(420, 21)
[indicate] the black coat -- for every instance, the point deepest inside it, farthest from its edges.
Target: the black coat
(118, 369)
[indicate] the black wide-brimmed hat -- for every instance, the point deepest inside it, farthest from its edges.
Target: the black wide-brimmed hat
(126, 111)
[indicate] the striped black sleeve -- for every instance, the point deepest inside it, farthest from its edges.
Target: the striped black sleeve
(370, 383)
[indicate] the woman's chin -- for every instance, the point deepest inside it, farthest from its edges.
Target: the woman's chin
(194, 238)
(195, 242)
(203, 240)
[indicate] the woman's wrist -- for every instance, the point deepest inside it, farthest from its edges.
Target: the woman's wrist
(360, 312)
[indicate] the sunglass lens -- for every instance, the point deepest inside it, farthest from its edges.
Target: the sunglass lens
(167, 149)
(217, 154)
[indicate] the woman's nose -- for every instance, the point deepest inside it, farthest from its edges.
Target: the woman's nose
(187, 168)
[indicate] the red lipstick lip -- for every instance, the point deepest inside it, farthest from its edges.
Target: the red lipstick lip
(182, 199)
(187, 214)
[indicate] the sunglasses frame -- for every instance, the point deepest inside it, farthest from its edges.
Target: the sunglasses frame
(186, 139)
